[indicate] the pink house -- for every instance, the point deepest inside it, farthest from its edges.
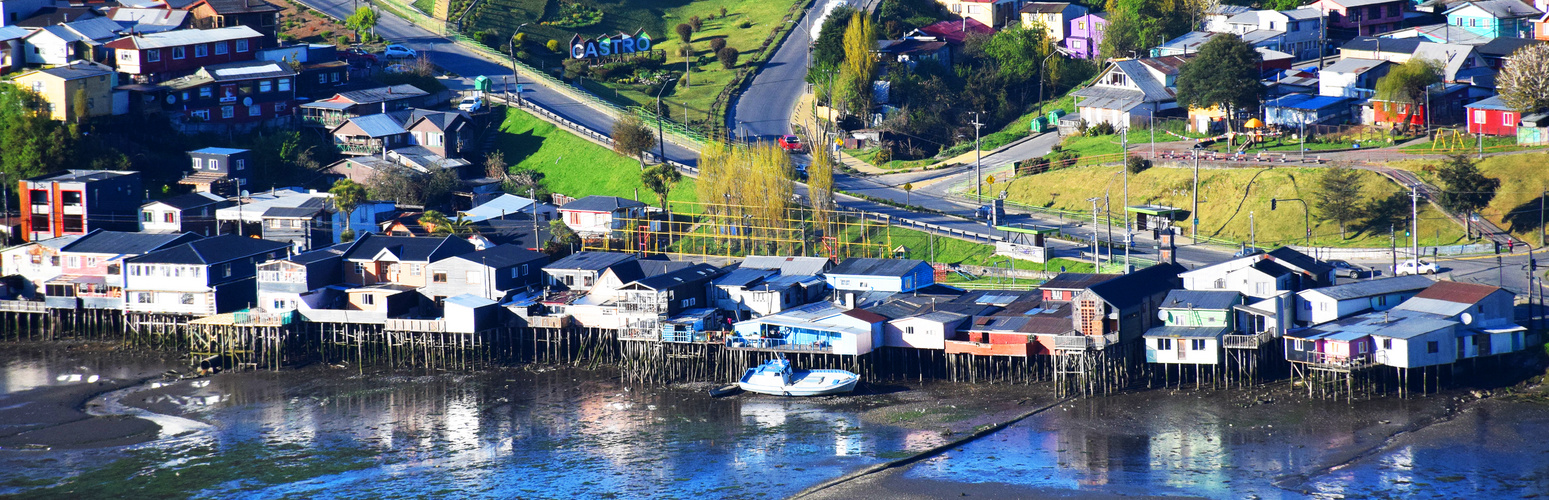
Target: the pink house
(92, 267)
(1330, 345)
(1086, 35)
(1362, 17)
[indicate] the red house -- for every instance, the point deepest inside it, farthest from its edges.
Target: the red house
(1492, 117)
(1362, 17)
(158, 57)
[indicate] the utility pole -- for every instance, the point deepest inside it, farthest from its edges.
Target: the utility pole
(1543, 237)
(1253, 235)
(661, 140)
(1124, 148)
(1481, 146)
(1195, 211)
(1393, 246)
(1095, 260)
(535, 243)
(514, 80)
(1414, 221)
(978, 161)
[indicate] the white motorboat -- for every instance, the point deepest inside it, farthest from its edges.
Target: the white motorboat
(776, 377)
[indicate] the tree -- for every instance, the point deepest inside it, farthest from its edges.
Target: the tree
(1015, 50)
(1464, 189)
(860, 40)
(632, 138)
(552, 45)
(434, 221)
(828, 49)
(495, 165)
(685, 32)
(347, 195)
(364, 19)
(563, 237)
(79, 105)
(728, 57)
(1225, 74)
(697, 23)
(717, 43)
(1339, 198)
(660, 180)
(1407, 82)
(1523, 83)
(1387, 213)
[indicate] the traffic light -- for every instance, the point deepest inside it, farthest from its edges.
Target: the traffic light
(1272, 203)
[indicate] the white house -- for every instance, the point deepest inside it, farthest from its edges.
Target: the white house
(1195, 323)
(249, 216)
(201, 277)
(759, 292)
(599, 216)
(859, 274)
(1485, 313)
(59, 44)
(1130, 91)
(1294, 32)
(581, 270)
(1322, 305)
(1352, 77)
(926, 331)
(509, 204)
(37, 261)
(192, 212)
(820, 327)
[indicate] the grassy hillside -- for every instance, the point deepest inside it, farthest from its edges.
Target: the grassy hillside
(574, 166)
(1520, 196)
(1226, 198)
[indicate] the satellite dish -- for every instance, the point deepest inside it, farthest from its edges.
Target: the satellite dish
(247, 101)
(1468, 319)
(1162, 315)
(171, 99)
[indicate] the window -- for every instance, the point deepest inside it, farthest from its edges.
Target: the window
(1323, 306)
(178, 52)
(1164, 344)
(240, 164)
(1473, 23)
(1081, 25)
(360, 269)
(145, 216)
(91, 262)
(153, 56)
(1393, 10)
(142, 298)
(215, 164)
(201, 50)
(266, 86)
(186, 299)
(228, 111)
(688, 302)
(438, 278)
(1509, 119)
(255, 110)
(284, 84)
(334, 77)
(1387, 343)
(241, 45)
(114, 269)
(475, 277)
(957, 9)
(279, 107)
(908, 330)
(1196, 344)
(74, 260)
(513, 272)
(220, 48)
(226, 270)
(203, 114)
(322, 78)
(414, 269)
(1382, 300)
(1432, 347)
(169, 216)
(368, 299)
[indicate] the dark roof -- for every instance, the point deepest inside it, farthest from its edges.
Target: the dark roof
(1455, 291)
(441, 119)
(503, 256)
(1187, 331)
(51, 16)
(908, 46)
(187, 201)
(407, 248)
(741, 277)
(1504, 46)
(227, 7)
(1076, 281)
(691, 274)
(302, 212)
(863, 315)
(1370, 288)
(1131, 288)
(641, 269)
(862, 266)
(1288, 255)
(320, 254)
(117, 242)
(590, 261)
(223, 248)
(1215, 300)
(1271, 268)
(1045, 8)
(381, 94)
(601, 204)
(1394, 45)
(80, 176)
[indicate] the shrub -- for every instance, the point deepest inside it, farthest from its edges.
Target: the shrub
(728, 57)
(697, 23)
(1102, 128)
(1136, 164)
(521, 38)
(723, 11)
(745, 24)
(522, 54)
(717, 43)
(1082, 127)
(685, 32)
(1062, 159)
(553, 45)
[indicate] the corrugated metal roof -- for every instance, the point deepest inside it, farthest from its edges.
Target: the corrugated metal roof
(1494, 102)
(212, 250)
(1215, 300)
(590, 261)
(601, 204)
(1372, 288)
(500, 206)
(1500, 9)
(13, 32)
(219, 151)
(118, 242)
(1213, 332)
(1397, 324)
(1129, 289)
(507, 255)
(861, 266)
(378, 125)
(380, 94)
(807, 266)
(1076, 281)
(177, 38)
(97, 29)
(196, 199)
(743, 277)
(469, 300)
(1354, 65)
(1457, 291)
(247, 70)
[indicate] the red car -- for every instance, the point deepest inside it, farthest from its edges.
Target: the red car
(357, 56)
(789, 143)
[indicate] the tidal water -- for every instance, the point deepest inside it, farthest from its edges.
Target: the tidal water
(338, 433)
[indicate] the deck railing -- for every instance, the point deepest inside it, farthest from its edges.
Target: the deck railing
(1085, 342)
(777, 345)
(1247, 341)
(414, 325)
(28, 306)
(1326, 360)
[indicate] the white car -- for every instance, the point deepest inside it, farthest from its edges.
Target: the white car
(1412, 266)
(470, 104)
(395, 51)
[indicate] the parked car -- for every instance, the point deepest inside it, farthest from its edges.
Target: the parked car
(1246, 251)
(1346, 270)
(790, 143)
(1412, 266)
(357, 56)
(398, 51)
(470, 104)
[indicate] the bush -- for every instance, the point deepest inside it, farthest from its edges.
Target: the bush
(521, 38)
(1136, 164)
(745, 24)
(522, 54)
(1082, 127)
(723, 11)
(1063, 159)
(697, 23)
(553, 45)
(685, 32)
(728, 57)
(1102, 128)
(717, 43)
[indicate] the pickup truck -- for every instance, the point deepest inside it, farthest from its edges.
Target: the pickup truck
(789, 143)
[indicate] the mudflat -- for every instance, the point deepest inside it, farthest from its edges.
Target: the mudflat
(55, 412)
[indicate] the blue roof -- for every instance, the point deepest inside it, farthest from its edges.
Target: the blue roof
(378, 125)
(219, 151)
(501, 206)
(470, 301)
(1307, 102)
(1494, 102)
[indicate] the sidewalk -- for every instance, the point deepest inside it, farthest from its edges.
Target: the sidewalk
(802, 116)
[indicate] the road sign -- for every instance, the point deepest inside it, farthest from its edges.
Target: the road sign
(989, 180)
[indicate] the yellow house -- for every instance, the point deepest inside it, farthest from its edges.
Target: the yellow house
(993, 13)
(58, 86)
(1055, 17)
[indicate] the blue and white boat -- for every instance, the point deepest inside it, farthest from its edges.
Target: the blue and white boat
(776, 377)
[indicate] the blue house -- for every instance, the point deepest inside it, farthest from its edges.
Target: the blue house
(1494, 18)
(821, 328)
(1295, 110)
(858, 274)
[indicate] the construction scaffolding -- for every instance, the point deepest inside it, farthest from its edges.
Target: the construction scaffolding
(699, 230)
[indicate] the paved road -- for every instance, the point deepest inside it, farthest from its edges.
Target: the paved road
(764, 109)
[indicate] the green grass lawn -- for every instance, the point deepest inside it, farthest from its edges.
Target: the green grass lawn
(1515, 207)
(1227, 196)
(658, 18)
(426, 6)
(574, 166)
(870, 157)
(1469, 145)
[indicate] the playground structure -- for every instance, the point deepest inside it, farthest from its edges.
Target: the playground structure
(1451, 139)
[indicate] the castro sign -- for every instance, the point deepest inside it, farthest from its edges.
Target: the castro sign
(605, 45)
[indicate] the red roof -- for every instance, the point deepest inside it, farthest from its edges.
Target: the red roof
(954, 32)
(867, 316)
(1454, 291)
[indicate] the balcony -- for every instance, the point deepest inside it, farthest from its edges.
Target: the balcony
(777, 344)
(25, 306)
(1084, 342)
(414, 325)
(358, 148)
(1247, 341)
(1337, 362)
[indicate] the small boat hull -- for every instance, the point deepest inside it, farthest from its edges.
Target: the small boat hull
(798, 382)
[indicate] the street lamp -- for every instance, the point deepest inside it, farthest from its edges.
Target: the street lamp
(1306, 217)
(661, 140)
(1042, 67)
(512, 44)
(1095, 260)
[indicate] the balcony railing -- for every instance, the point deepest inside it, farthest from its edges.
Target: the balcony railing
(357, 148)
(1247, 341)
(1327, 360)
(29, 306)
(777, 345)
(1085, 342)
(414, 325)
